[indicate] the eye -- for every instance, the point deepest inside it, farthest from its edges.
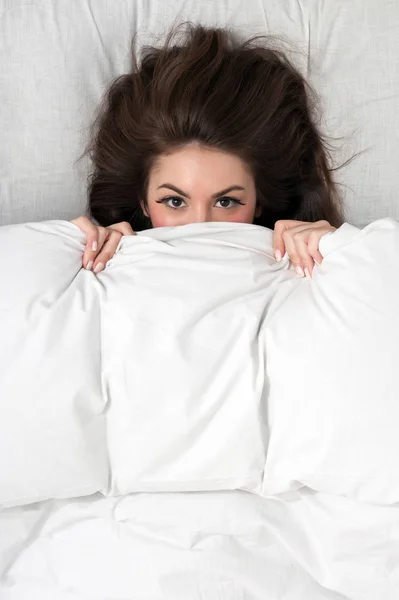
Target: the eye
(173, 202)
(227, 202)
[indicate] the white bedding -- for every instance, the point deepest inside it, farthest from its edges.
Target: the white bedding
(200, 546)
(90, 403)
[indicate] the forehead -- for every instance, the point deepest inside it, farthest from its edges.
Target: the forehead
(198, 164)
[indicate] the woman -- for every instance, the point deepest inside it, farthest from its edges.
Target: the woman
(210, 129)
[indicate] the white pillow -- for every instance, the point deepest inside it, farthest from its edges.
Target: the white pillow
(183, 362)
(52, 430)
(333, 369)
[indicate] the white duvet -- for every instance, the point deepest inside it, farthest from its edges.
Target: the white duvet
(196, 422)
(228, 545)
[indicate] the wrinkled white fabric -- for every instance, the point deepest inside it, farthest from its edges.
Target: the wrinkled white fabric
(195, 361)
(147, 377)
(57, 62)
(332, 363)
(200, 546)
(75, 347)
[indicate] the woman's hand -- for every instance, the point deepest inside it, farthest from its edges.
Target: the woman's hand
(301, 242)
(101, 242)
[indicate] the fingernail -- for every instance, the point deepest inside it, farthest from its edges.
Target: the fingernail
(308, 275)
(94, 246)
(277, 255)
(317, 263)
(89, 265)
(99, 267)
(300, 272)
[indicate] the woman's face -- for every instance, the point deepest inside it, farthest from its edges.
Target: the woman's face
(196, 185)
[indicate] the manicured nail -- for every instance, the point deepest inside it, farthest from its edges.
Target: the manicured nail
(94, 246)
(300, 272)
(317, 263)
(89, 265)
(308, 275)
(277, 255)
(99, 267)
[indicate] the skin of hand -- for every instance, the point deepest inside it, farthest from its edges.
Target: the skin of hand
(101, 242)
(300, 240)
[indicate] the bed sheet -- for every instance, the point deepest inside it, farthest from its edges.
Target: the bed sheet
(200, 546)
(57, 59)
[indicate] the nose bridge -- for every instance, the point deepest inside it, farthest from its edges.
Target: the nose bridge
(202, 211)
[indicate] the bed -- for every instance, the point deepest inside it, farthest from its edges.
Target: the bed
(313, 514)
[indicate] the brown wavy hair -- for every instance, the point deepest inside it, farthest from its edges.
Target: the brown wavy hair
(241, 97)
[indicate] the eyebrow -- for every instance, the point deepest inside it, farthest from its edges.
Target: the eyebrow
(169, 186)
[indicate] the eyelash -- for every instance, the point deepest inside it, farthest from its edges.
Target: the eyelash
(168, 198)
